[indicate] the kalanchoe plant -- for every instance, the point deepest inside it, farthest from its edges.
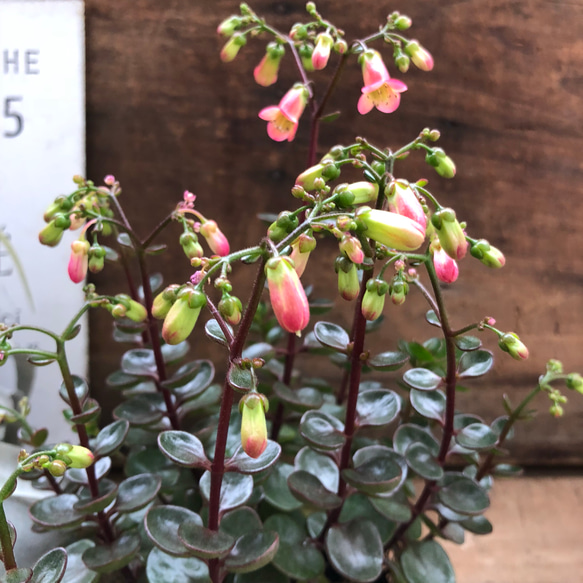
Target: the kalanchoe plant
(271, 474)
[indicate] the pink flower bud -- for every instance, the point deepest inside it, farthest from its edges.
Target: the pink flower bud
(215, 238)
(283, 119)
(265, 73)
(350, 246)
(511, 343)
(450, 233)
(446, 268)
(253, 407)
(379, 89)
(403, 201)
(288, 298)
(79, 260)
(301, 249)
(390, 229)
(321, 54)
(421, 58)
(182, 316)
(233, 46)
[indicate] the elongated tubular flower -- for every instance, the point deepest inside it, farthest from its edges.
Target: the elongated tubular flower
(288, 298)
(380, 90)
(403, 201)
(487, 254)
(79, 260)
(301, 249)
(321, 54)
(182, 316)
(446, 268)
(450, 233)
(215, 238)
(253, 407)
(265, 73)
(283, 119)
(391, 229)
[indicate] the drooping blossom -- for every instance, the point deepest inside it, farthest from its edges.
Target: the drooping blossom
(446, 268)
(283, 119)
(487, 254)
(301, 249)
(420, 56)
(391, 229)
(380, 90)
(78, 260)
(373, 300)
(182, 316)
(403, 201)
(321, 54)
(350, 246)
(265, 74)
(451, 235)
(253, 407)
(215, 238)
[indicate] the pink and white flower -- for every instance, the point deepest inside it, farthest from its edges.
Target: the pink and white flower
(215, 238)
(79, 260)
(283, 119)
(446, 268)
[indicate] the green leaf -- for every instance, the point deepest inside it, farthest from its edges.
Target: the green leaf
(475, 363)
(136, 492)
(276, 490)
(243, 464)
(185, 374)
(462, 494)
(467, 343)
(76, 571)
(252, 551)
(319, 465)
(462, 420)
(267, 574)
(87, 504)
(322, 430)
(122, 380)
(111, 438)
(101, 468)
(259, 350)
(184, 449)
(152, 460)
(81, 390)
(51, 567)
(56, 512)
(422, 379)
(377, 407)
(422, 462)
(204, 543)
(299, 561)
(426, 562)
(139, 362)
(409, 433)
(236, 489)
(432, 318)
(214, 332)
(477, 524)
(241, 379)
(161, 525)
(332, 336)
(112, 557)
(239, 521)
(359, 507)
(163, 568)
(454, 532)
(476, 436)
(17, 576)
(209, 397)
(430, 404)
(142, 410)
(172, 353)
(395, 507)
(387, 361)
(300, 400)
(498, 426)
(308, 489)
(507, 470)
(355, 550)
(202, 371)
(90, 411)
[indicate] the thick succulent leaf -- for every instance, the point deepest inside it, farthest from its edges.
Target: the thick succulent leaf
(299, 561)
(421, 461)
(214, 332)
(90, 411)
(462, 420)
(111, 438)
(56, 512)
(355, 550)
(242, 463)
(320, 465)
(184, 449)
(186, 373)
(236, 489)
(322, 430)
(300, 400)
(240, 378)
(462, 494)
(142, 410)
(308, 489)
(475, 363)
(259, 350)
(136, 492)
(101, 468)
(152, 460)
(467, 343)
(477, 436)
(276, 490)
(477, 525)
(81, 390)
(387, 361)
(172, 353)
(87, 504)
(409, 433)
(359, 507)
(51, 567)
(164, 568)
(203, 376)
(239, 521)
(454, 532)
(422, 379)
(121, 380)
(21, 575)
(252, 551)
(395, 508)
(139, 362)
(426, 562)
(433, 318)
(430, 404)
(377, 407)
(161, 525)
(112, 557)
(332, 336)
(204, 543)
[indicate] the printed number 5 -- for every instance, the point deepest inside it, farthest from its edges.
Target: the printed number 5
(17, 117)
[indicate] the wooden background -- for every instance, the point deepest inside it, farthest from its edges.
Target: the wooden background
(165, 114)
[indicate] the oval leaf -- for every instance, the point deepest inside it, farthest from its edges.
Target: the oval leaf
(56, 511)
(236, 489)
(421, 461)
(426, 562)
(467, 343)
(332, 336)
(377, 407)
(80, 387)
(51, 567)
(475, 363)
(462, 494)
(111, 438)
(184, 449)
(205, 543)
(276, 490)
(252, 551)
(477, 436)
(161, 525)
(109, 558)
(308, 489)
(242, 463)
(422, 379)
(163, 568)
(136, 492)
(322, 430)
(408, 434)
(388, 361)
(430, 404)
(214, 332)
(241, 379)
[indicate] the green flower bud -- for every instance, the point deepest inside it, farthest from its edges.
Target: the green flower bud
(230, 308)
(511, 343)
(163, 301)
(190, 245)
(253, 407)
(442, 163)
(575, 381)
(75, 456)
(182, 316)
(51, 235)
(134, 310)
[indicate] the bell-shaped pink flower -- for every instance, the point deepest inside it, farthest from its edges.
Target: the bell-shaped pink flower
(446, 268)
(79, 260)
(253, 407)
(380, 90)
(321, 54)
(403, 201)
(215, 238)
(283, 119)
(390, 229)
(288, 298)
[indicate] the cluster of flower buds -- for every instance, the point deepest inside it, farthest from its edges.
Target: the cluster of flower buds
(287, 295)
(122, 306)
(253, 407)
(180, 307)
(399, 287)
(190, 245)
(285, 223)
(229, 307)
(62, 457)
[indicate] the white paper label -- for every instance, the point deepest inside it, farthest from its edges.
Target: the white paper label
(42, 145)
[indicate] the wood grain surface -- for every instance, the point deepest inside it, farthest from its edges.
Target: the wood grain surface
(164, 114)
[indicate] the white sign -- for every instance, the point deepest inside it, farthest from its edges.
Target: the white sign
(42, 138)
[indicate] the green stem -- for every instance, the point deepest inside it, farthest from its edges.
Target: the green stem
(19, 417)
(31, 352)
(13, 329)
(6, 541)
